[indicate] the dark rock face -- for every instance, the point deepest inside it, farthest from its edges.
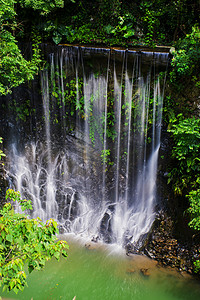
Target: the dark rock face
(165, 248)
(105, 227)
(164, 244)
(145, 272)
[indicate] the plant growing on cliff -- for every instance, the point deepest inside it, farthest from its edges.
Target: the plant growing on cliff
(194, 209)
(25, 242)
(1, 152)
(185, 176)
(186, 151)
(14, 67)
(186, 56)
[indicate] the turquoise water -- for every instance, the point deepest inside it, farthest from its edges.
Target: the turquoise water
(98, 275)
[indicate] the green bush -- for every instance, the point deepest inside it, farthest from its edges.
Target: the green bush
(25, 242)
(186, 151)
(186, 58)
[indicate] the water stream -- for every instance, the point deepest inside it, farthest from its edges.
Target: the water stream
(91, 160)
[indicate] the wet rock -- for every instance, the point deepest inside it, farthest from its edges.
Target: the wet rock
(129, 247)
(149, 254)
(145, 272)
(95, 239)
(166, 249)
(94, 246)
(90, 246)
(61, 230)
(67, 226)
(105, 227)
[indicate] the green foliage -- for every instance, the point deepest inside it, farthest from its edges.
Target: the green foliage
(71, 97)
(15, 69)
(7, 12)
(186, 133)
(106, 158)
(105, 155)
(123, 29)
(25, 242)
(185, 176)
(74, 96)
(113, 22)
(186, 58)
(150, 22)
(111, 120)
(44, 6)
(169, 113)
(22, 110)
(58, 31)
(194, 209)
(197, 266)
(1, 152)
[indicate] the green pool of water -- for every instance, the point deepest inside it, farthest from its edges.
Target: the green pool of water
(97, 274)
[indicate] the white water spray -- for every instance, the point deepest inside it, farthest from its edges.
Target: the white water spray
(118, 103)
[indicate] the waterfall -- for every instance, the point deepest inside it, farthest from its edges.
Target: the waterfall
(91, 163)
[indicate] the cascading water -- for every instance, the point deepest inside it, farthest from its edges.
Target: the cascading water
(92, 163)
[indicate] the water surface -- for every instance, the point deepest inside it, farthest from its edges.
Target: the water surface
(106, 274)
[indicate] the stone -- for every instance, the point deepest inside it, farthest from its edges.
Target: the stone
(145, 272)
(94, 246)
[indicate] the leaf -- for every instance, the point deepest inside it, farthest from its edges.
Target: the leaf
(57, 38)
(30, 268)
(64, 253)
(9, 238)
(5, 288)
(55, 225)
(57, 255)
(12, 284)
